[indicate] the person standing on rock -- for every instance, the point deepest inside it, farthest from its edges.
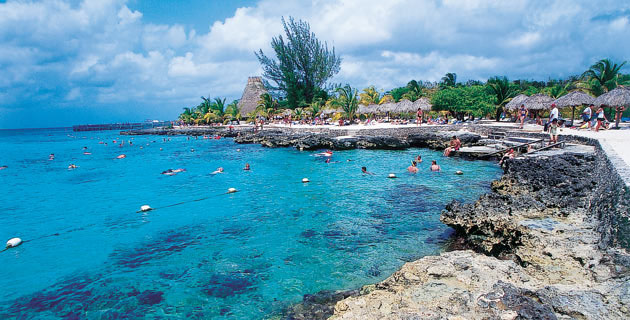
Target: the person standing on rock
(522, 114)
(419, 117)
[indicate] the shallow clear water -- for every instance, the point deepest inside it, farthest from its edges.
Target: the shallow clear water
(204, 253)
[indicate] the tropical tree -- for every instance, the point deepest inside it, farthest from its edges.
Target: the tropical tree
(477, 100)
(316, 107)
(414, 91)
(303, 64)
(369, 96)
(267, 105)
(186, 116)
(503, 91)
(218, 107)
(348, 100)
(387, 98)
(233, 111)
(449, 80)
(601, 76)
(298, 113)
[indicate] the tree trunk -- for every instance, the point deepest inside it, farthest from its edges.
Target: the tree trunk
(497, 114)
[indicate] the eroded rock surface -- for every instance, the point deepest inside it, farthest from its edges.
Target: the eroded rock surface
(539, 252)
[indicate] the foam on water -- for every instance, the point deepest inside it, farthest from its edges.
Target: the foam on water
(204, 253)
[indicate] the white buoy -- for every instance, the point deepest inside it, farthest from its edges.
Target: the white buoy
(301, 148)
(232, 190)
(14, 242)
(391, 176)
(145, 208)
(459, 172)
(305, 180)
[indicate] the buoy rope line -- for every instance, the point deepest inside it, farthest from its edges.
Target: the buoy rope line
(231, 190)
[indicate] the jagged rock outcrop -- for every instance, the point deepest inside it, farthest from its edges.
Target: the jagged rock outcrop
(441, 139)
(313, 141)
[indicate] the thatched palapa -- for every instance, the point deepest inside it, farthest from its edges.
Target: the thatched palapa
(404, 105)
(516, 102)
(574, 99)
(538, 101)
(423, 103)
(615, 98)
(251, 95)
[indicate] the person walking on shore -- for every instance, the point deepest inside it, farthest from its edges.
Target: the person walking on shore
(618, 112)
(419, 117)
(553, 131)
(601, 117)
(522, 115)
(554, 113)
(586, 116)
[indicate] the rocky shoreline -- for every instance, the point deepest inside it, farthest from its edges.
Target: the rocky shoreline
(544, 244)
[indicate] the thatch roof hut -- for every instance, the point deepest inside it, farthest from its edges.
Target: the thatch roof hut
(574, 99)
(387, 107)
(516, 102)
(251, 95)
(328, 112)
(617, 97)
(423, 103)
(538, 101)
(404, 105)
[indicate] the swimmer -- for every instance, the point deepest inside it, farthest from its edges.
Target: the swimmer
(435, 167)
(419, 159)
(413, 168)
(364, 171)
(3, 167)
(51, 156)
(169, 172)
(327, 153)
(179, 170)
(247, 168)
(87, 153)
(327, 160)
(122, 156)
(219, 170)
(192, 150)
(84, 148)
(72, 166)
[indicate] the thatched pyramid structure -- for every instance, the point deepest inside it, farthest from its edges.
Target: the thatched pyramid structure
(251, 95)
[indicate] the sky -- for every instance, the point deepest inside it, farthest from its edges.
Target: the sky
(100, 61)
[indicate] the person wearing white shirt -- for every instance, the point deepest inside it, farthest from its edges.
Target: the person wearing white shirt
(554, 112)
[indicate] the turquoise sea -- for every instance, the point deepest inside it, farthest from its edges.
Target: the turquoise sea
(203, 253)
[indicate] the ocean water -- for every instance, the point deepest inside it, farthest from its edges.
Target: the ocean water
(203, 253)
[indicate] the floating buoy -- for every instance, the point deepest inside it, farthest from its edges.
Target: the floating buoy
(122, 156)
(459, 172)
(14, 242)
(391, 176)
(145, 208)
(301, 148)
(305, 180)
(232, 190)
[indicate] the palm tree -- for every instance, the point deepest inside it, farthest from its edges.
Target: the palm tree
(414, 91)
(316, 107)
(347, 100)
(186, 116)
(298, 113)
(557, 91)
(602, 76)
(370, 96)
(503, 91)
(218, 107)
(449, 80)
(267, 105)
(233, 111)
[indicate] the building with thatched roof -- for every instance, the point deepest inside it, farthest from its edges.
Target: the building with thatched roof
(423, 103)
(516, 102)
(615, 98)
(538, 101)
(251, 95)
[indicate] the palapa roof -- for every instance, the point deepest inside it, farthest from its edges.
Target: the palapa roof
(574, 99)
(516, 102)
(538, 101)
(387, 107)
(423, 103)
(251, 95)
(615, 98)
(404, 105)
(330, 111)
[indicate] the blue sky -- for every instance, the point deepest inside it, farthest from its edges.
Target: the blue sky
(74, 62)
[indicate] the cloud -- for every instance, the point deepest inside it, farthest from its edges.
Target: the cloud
(103, 60)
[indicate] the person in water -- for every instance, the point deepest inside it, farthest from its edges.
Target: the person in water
(247, 168)
(72, 166)
(435, 167)
(364, 171)
(413, 168)
(51, 156)
(455, 144)
(419, 159)
(219, 170)
(3, 167)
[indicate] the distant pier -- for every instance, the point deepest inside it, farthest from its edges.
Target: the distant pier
(121, 126)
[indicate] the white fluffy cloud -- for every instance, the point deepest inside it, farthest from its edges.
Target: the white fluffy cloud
(101, 59)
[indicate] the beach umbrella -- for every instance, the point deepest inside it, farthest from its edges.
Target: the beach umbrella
(538, 101)
(423, 103)
(362, 109)
(574, 99)
(516, 102)
(618, 97)
(404, 105)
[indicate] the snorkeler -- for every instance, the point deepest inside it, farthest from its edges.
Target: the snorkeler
(419, 159)
(3, 167)
(364, 171)
(51, 156)
(219, 170)
(72, 166)
(413, 168)
(169, 172)
(246, 167)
